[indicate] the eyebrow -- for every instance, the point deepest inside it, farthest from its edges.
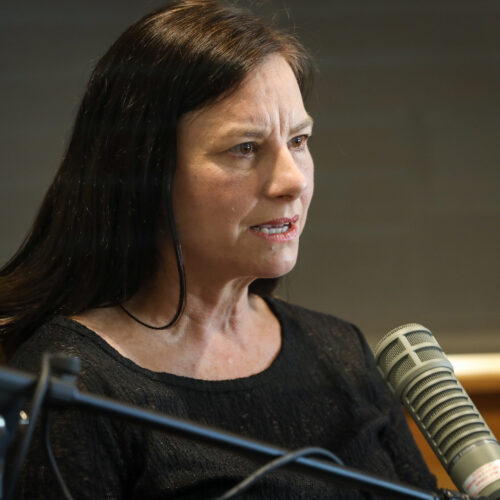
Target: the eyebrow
(258, 134)
(308, 122)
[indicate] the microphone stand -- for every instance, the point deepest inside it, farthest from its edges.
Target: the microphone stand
(16, 385)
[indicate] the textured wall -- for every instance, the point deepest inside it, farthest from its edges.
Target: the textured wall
(405, 225)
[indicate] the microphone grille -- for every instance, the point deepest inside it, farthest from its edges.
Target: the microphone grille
(405, 352)
(418, 372)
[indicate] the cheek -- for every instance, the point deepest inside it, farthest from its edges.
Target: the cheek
(308, 193)
(213, 195)
(234, 203)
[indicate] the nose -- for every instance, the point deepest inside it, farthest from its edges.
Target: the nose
(288, 177)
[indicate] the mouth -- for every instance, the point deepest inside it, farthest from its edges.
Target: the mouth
(283, 226)
(271, 229)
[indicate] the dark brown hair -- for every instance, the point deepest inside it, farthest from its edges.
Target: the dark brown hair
(97, 235)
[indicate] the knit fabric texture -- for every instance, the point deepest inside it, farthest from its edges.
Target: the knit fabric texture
(322, 389)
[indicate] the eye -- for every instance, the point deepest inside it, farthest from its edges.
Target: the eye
(244, 149)
(299, 143)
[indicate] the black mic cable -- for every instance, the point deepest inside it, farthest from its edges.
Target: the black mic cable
(275, 464)
(50, 362)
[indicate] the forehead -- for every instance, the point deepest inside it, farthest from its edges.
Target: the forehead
(269, 95)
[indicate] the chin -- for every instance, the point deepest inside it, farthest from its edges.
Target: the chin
(277, 270)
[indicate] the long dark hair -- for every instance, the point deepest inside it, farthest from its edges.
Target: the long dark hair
(98, 233)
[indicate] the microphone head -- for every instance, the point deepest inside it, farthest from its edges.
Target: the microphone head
(406, 352)
(418, 372)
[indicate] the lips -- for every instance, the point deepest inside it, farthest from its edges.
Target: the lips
(281, 229)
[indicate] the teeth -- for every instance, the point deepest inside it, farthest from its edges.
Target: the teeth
(273, 229)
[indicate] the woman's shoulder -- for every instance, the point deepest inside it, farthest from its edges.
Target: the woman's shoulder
(331, 338)
(60, 334)
(312, 320)
(65, 336)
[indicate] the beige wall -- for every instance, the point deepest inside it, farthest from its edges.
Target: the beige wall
(405, 225)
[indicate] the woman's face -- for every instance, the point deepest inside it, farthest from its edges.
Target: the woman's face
(244, 178)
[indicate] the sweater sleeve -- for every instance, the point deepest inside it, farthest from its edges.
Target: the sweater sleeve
(86, 446)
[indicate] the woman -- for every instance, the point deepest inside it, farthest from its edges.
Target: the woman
(181, 199)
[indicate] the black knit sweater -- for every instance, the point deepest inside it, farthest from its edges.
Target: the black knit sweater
(321, 390)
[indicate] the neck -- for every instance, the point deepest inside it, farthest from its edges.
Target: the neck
(212, 306)
(224, 332)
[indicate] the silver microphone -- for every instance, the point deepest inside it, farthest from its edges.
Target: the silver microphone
(420, 375)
